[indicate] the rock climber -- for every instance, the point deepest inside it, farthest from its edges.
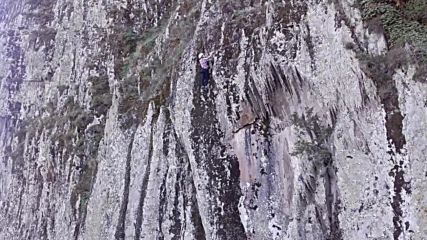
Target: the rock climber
(204, 65)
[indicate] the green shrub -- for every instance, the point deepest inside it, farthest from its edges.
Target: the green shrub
(101, 96)
(416, 10)
(406, 30)
(313, 137)
(401, 26)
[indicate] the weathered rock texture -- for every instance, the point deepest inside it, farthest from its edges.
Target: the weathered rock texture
(105, 132)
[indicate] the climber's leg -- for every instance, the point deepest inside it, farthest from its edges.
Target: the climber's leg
(205, 77)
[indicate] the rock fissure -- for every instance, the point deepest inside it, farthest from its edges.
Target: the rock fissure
(199, 230)
(225, 218)
(120, 228)
(144, 184)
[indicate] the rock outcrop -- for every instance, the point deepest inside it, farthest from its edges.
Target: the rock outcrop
(307, 129)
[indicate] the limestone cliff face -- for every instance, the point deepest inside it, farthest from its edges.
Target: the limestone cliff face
(105, 132)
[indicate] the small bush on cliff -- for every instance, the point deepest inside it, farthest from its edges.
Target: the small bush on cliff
(101, 96)
(313, 137)
(404, 25)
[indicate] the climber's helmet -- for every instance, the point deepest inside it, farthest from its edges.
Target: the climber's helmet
(201, 55)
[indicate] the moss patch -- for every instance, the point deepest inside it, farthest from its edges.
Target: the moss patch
(145, 75)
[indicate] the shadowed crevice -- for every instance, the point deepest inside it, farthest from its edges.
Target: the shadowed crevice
(222, 169)
(120, 228)
(140, 211)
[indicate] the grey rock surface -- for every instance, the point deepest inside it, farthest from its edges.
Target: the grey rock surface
(106, 133)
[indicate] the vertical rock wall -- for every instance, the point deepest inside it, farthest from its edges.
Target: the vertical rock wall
(106, 133)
